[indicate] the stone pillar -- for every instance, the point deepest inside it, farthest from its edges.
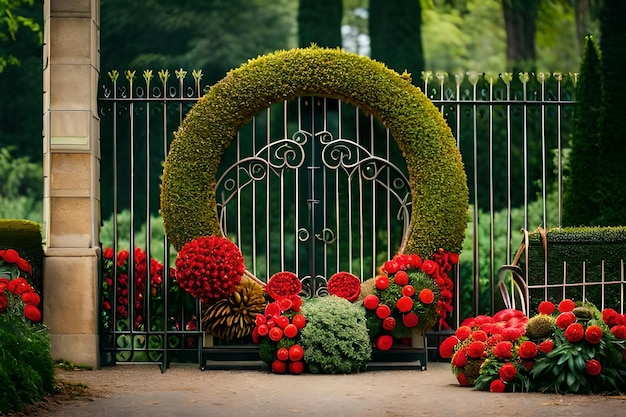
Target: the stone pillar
(71, 155)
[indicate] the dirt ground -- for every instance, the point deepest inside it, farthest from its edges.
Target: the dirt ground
(184, 390)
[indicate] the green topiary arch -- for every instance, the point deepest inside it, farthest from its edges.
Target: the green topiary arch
(436, 174)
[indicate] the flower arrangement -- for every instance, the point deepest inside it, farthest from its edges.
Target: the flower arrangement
(278, 330)
(278, 333)
(209, 267)
(403, 298)
(116, 276)
(17, 296)
(572, 348)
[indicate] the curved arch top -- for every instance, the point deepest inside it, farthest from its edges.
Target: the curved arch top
(436, 174)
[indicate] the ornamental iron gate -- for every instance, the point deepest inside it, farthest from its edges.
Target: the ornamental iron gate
(314, 186)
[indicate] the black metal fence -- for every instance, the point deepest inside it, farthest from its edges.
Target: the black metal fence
(512, 131)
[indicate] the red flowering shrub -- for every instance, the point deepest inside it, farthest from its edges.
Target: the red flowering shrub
(116, 284)
(17, 296)
(345, 285)
(209, 267)
(283, 285)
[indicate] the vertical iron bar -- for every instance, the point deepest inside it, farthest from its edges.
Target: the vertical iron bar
(476, 266)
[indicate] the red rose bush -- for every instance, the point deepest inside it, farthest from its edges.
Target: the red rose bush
(572, 348)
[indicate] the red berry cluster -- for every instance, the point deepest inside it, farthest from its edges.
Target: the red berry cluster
(403, 305)
(15, 291)
(282, 328)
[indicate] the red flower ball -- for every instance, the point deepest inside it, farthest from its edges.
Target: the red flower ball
(527, 350)
(345, 285)
(371, 301)
(593, 367)
(593, 334)
(283, 285)
(619, 332)
(10, 256)
(408, 290)
(427, 296)
(299, 321)
(279, 367)
(282, 321)
(401, 278)
(290, 331)
(276, 333)
(282, 354)
(429, 267)
(497, 385)
(479, 335)
(262, 329)
(410, 320)
(503, 350)
(507, 372)
(446, 348)
(382, 283)
(546, 307)
(296, 368)
(611, 317)
(383, 311)
(384, 342)
(389, 323)
(476, 349)
(296, 353)
(404, 304)
(459, 359)
(575, 332)
(546, 346)
(463, 380)
(463, 332)
(209, 267)
(32, 313)
(566, 305)
(565, 319)
(391, 267)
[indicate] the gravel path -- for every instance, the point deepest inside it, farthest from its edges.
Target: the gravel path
(184, 390)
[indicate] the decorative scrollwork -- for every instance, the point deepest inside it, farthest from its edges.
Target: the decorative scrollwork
(303, 234)
(327, 236)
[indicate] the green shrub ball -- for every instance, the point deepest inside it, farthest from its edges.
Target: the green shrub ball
(335, 339)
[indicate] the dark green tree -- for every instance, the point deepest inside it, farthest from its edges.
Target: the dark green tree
(396, 36)
(520, 18)
(319, 22)
(580, 199)
(612, 132)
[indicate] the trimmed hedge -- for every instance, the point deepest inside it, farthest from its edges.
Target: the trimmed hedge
(573, 246)
(436, 174)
